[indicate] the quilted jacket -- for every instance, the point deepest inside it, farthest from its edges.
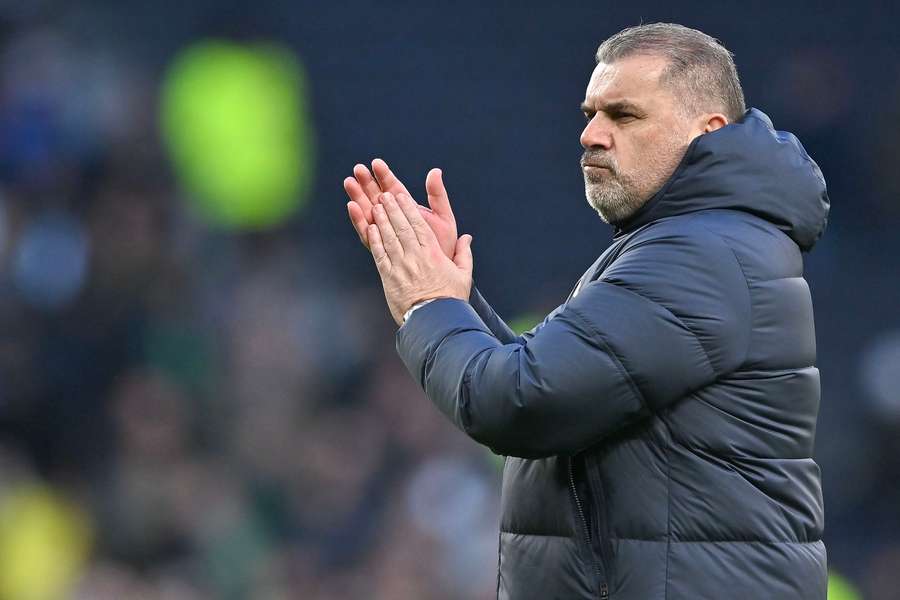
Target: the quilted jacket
(659, 424)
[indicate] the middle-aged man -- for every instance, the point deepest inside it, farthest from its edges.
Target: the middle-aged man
(659, 423)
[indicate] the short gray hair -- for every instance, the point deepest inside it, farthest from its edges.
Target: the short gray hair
(700, 69)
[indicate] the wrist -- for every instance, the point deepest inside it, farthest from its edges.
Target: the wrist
(414, 308)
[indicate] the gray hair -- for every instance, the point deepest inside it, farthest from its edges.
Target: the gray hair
(701, 70)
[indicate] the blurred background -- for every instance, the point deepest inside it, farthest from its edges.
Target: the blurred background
(199, 394)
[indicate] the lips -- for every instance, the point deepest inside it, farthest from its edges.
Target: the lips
(595, 164)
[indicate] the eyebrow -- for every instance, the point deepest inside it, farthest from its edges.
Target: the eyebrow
(612, 107)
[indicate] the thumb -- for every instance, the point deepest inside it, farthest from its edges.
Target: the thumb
(437, 194)
(462, 257)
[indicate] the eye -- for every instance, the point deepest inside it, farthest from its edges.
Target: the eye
(588, 115)
(625, 117)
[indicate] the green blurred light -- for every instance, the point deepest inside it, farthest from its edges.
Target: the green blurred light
(840, 588)
(526, 322)
(235, 121)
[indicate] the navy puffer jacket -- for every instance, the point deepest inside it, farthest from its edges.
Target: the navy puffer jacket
(659, 424)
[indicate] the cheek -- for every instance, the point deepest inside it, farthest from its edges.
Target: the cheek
(636, 146)
(658, 143)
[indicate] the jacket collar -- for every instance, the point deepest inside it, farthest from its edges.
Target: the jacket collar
(746, 166)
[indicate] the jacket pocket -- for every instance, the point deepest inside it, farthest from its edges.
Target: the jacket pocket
(581, 506)
(601, 538)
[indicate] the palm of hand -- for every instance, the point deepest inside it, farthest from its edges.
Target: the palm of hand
(444, 230)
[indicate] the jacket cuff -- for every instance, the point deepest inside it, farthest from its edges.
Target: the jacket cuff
(427, 327)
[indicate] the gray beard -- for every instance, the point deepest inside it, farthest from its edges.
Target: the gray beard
(613, 200)
(615, 195)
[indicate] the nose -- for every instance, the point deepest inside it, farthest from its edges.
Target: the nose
(597, 134)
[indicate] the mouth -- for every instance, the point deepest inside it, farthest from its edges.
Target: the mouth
(596, 162)
(589, 168)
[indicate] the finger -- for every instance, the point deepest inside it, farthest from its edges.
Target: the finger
(400, 223)
(360, 224)
(463, 256)
(382, 260)
(386, 179)
(423, 232)
(438, 199)
(357, 195)
(389, 238)
(367, 183)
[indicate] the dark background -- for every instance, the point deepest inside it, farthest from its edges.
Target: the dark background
(187, 412)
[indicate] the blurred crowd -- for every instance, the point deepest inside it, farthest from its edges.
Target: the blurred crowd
(188, 412)
(181, 414)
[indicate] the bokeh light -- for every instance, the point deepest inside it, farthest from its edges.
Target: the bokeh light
(525, 322)
(51, 261)
(840, 588)
(44, 541)
(235, 122)
(879, 375)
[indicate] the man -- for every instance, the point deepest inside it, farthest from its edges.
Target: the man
(659, 424)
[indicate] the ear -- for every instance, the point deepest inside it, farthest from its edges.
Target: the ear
(715, 121)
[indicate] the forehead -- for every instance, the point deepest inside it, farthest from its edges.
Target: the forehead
(635, 78)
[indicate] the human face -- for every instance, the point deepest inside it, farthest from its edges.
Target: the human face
(634, 138)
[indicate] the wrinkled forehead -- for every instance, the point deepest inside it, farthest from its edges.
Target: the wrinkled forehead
(636, 78)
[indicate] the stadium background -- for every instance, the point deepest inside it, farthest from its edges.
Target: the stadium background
(199, 396)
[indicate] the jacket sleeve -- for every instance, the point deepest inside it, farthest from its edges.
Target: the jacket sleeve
(497, 326)
(490, 318)
(668, 317)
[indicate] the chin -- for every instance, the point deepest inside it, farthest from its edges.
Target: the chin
(599, 210)
(612, 213)
(606, 209)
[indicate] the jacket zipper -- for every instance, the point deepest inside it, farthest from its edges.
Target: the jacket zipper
(604, 588)
(596, 487)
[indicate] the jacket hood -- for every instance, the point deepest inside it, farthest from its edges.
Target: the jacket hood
(747, 166)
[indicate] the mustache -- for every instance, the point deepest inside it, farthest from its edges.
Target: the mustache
(599, 159)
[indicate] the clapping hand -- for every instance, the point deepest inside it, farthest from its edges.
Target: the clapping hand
(365, 191)
(412, 265)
